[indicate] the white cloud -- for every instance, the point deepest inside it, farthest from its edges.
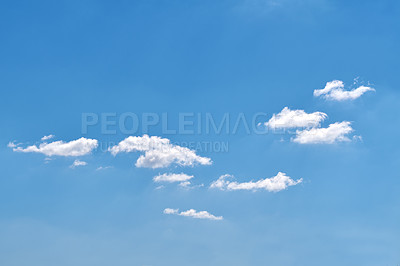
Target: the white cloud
(158, 152)
(185, 184)
(170, 211)
(103, 168)
(295, 118)
(188, 185)
(274, 184)
(172, 178)
(182, 178)
(11, 145)
(193, 213)
(77, 147)
(78, 163)
(47, 137)
(47, 160)
(334, 90)
(334, 133)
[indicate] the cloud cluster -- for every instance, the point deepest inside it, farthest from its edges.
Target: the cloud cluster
(73, 148)
(274, 184)
(310, 123)
(295, 118)
(158, 152)
(334, 90)
(333, 133)
(193, 213)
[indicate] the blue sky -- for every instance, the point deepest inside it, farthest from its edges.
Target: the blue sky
(62, 59)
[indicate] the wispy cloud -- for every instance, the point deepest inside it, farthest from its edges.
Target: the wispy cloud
(11, 144)
(44, 138)
(188, 185)
(193, 213)
(77, 163)
(274, 184)
(73, 148)
(182, 178)
(158, 152)
(170, 177)
(334, 90)
(333, 133)
(103, 168)
(295, 118)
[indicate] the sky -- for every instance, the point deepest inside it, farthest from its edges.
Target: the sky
(107, 157)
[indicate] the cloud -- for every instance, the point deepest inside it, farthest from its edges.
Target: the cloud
(182, 178)
(295, 118)
(185, 184)
(158, 152)
(274, 184)
(73, 148)
(170, 211)
(78, 163)
(334, 90)
(172, 178)
(11, 145)
(47, 160)
(333, 133)
(193, 213)
(103, 168)
(188, 185)
(47, 137)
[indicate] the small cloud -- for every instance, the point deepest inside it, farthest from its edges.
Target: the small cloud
(11, 145)
(185, 184)
(77, 163)
(47, 160)
(274, 184)
(103, 168)
(44, 138)
(334, 91)
(170, 178)
(333, 133)
(73, 148)
(158, 152)
(295, 118)
(170, 211)
(193, 214)
(188, 185)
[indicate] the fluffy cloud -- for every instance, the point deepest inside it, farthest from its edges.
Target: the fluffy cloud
(193, 213)
(295, 118)
(158, 152)
(73, 148)
(78, 163)
(334, 90)
(274, 184)
(170, 178)
(334, 133)
(47, 137)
